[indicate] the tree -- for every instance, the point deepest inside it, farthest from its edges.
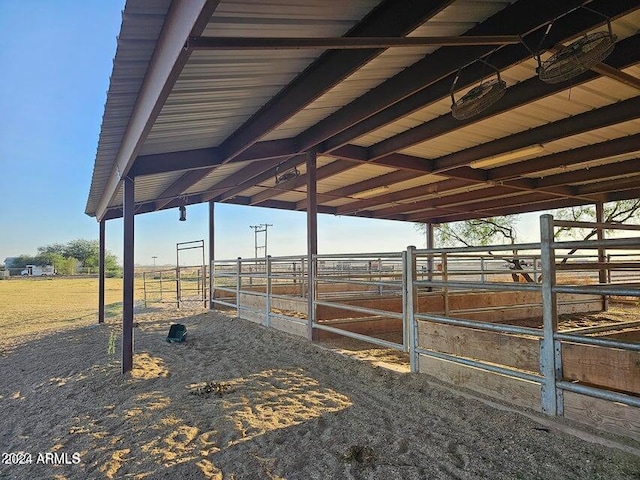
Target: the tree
(65, 258)
(478, 232)
(493, 230)
(481, 232)
(615, 212)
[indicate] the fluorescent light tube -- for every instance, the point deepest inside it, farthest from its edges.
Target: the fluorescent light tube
(371, 192)
(507, 157)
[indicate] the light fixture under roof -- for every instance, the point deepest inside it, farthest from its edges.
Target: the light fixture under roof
(372, 192)
(507, 157)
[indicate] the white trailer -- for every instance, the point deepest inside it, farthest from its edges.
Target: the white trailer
(37, 271)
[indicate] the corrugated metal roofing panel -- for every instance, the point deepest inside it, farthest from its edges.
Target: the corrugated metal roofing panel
(594, 136)
(353, 175)
(583, 165)
(287, 18)
(441, 107)
(453, 20)
(216, 176)
(151, 187)
(592, 95)
(291, 196)
(623, 28)
(142, 23)
(232, 85)
(182, 125)
(218, 91)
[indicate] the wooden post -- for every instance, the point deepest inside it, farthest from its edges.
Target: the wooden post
(128, 274)
(312, 238)
(101, 271)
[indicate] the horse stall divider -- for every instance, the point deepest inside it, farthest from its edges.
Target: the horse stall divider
(459, 313)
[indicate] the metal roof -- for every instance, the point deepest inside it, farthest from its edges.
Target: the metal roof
(196, 120)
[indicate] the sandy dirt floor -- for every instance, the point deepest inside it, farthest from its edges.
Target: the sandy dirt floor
(238, 401)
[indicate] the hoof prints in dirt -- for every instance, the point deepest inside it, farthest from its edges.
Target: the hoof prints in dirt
(361, 454)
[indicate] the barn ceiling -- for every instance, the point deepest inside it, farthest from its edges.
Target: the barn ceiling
(215, 100)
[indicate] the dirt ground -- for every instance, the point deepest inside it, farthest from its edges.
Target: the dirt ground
(238, 401)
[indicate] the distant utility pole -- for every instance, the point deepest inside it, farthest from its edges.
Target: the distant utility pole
(262, 228)
(154, 260)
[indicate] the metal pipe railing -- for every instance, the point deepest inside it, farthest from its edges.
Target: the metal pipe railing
(402, 274)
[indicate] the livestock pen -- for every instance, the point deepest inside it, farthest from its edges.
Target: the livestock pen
(500, 319)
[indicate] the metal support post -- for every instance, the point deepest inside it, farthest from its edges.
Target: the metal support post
(238, 284)
(312, 238)
(101, 272)
(549, 317)
(557, 351)
(178, 288)
(144, 287)
(430, 246)
(445, 279)
(128, 273)
(302, 282)
(267, 271)
(602, 254)
(409, 276)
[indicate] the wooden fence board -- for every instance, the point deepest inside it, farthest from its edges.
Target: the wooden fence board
(503, 349)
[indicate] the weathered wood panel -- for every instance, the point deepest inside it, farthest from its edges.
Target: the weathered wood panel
(364, 326)
(608, 367)
(255, 317)
(503, 349)
(511, 390)
(602, 414)
(289, 326)
(624, 336)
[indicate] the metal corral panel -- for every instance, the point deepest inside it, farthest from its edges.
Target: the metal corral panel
(453, 20)
(218, 91)
(141, 26)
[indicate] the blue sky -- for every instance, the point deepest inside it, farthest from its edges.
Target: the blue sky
(56, 58)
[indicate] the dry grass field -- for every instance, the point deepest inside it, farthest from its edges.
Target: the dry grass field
(30, 306)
